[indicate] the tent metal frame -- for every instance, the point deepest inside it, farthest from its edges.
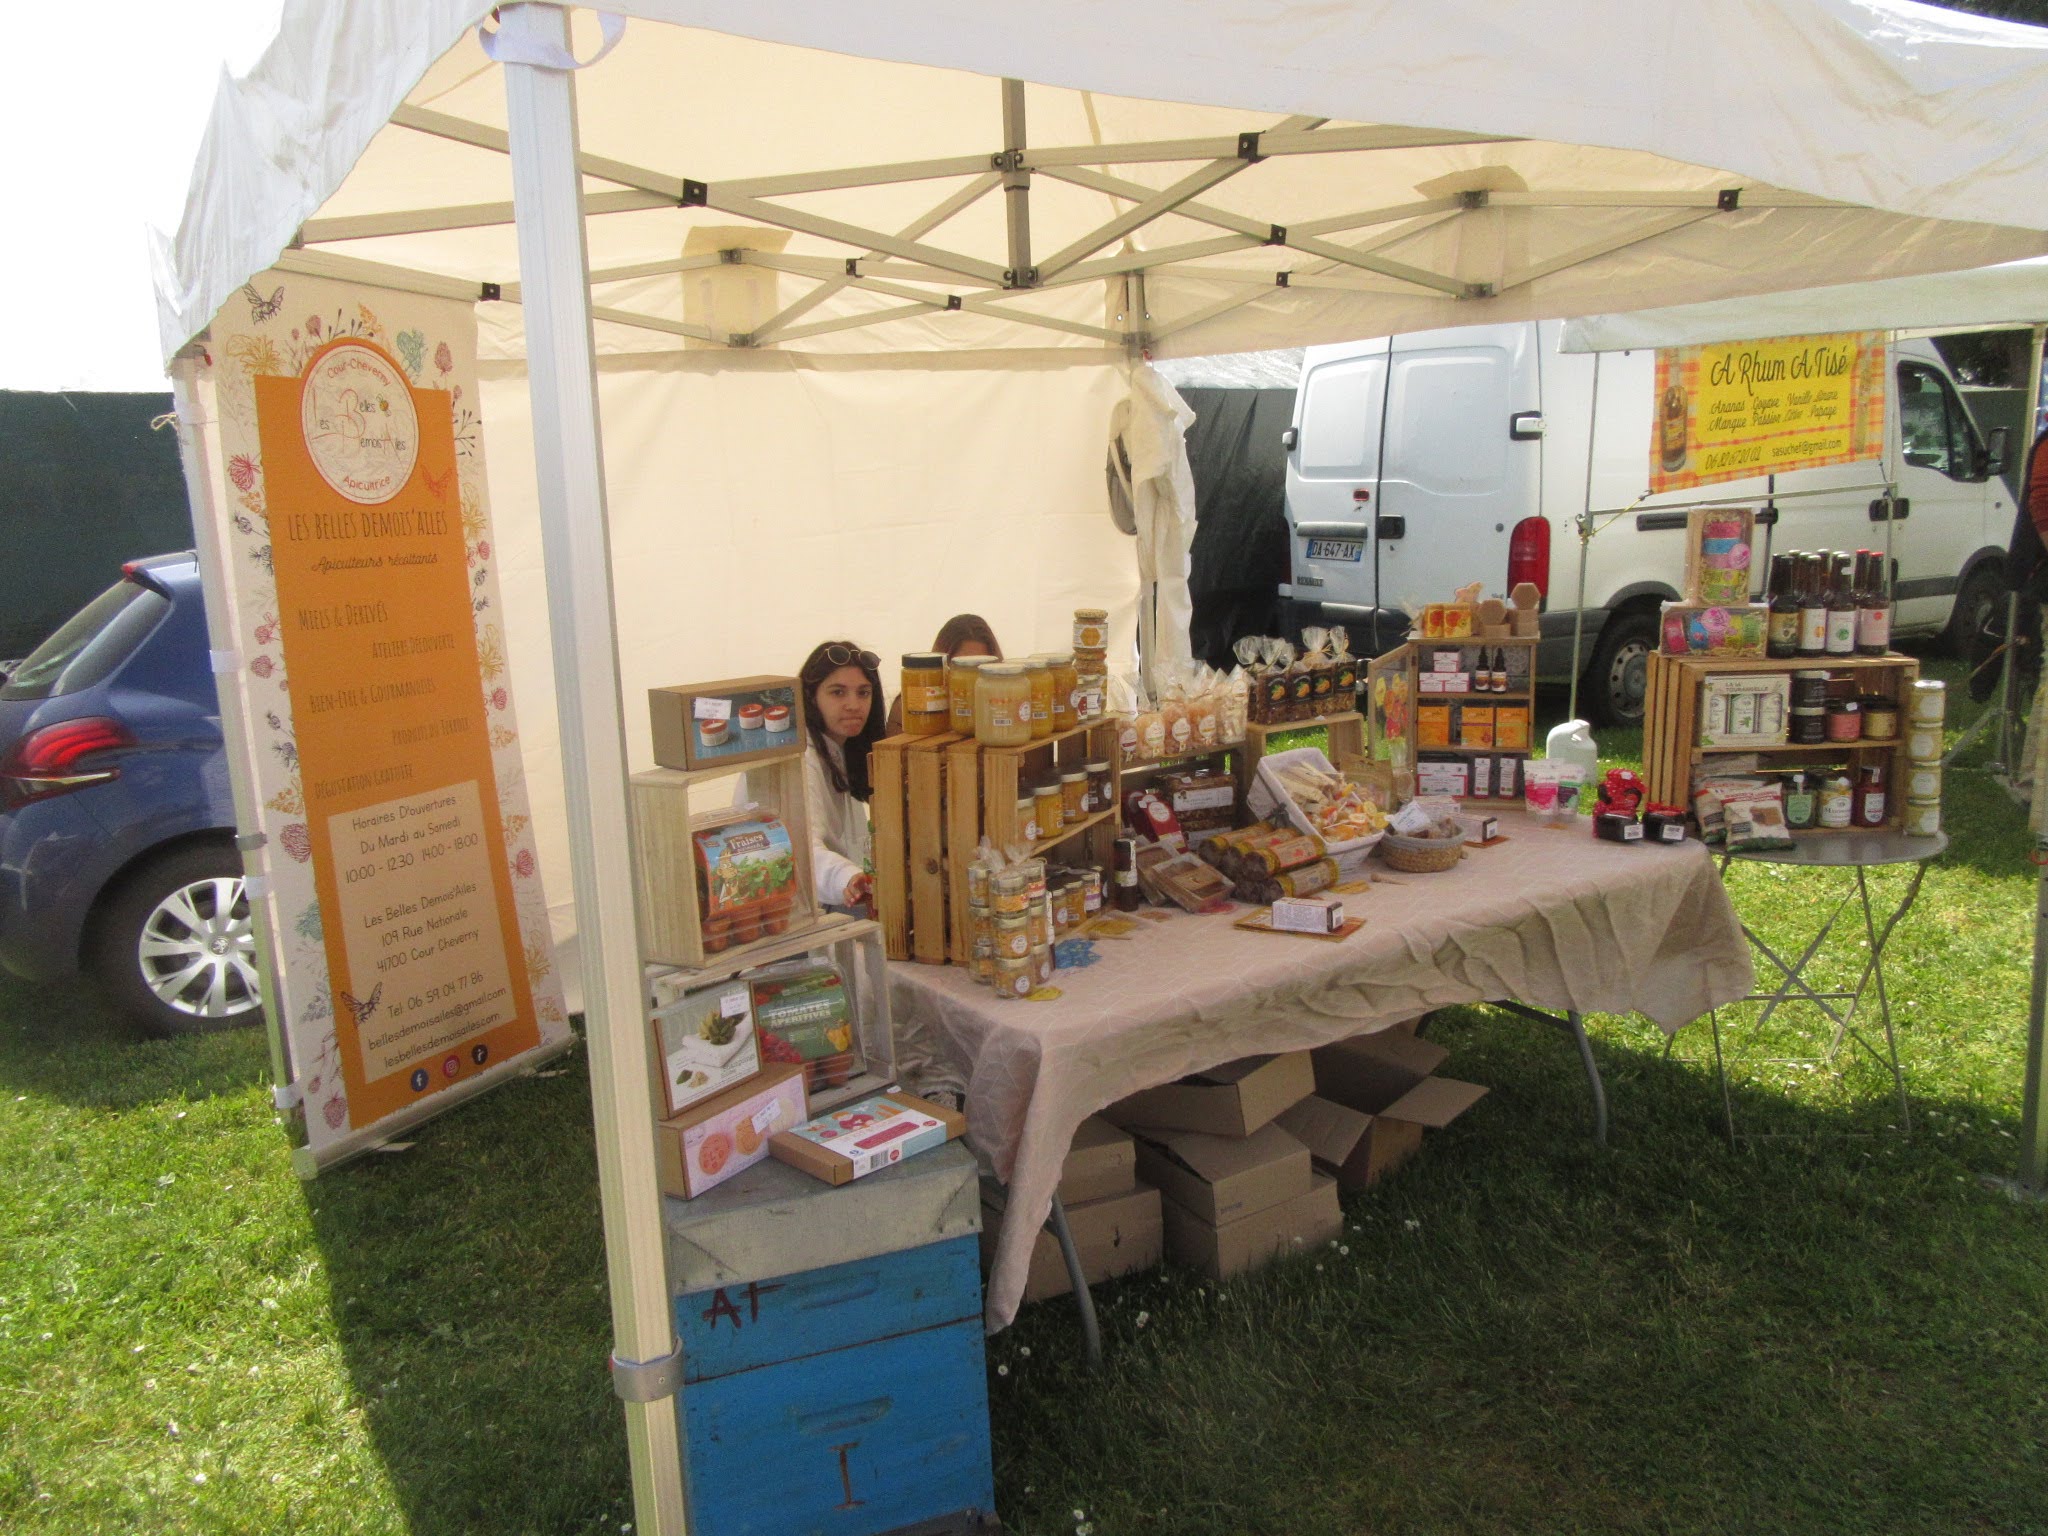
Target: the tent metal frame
(924, 277)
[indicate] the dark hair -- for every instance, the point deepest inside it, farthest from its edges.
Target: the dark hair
(964, 629)
(816, 668)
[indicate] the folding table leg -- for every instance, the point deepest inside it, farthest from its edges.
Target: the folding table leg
(1575, 1026)
(1091, 1332)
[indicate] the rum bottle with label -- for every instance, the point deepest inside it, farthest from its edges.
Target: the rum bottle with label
(1813, 607)
(1874, 609)
(1783, 637)
(1841, 637)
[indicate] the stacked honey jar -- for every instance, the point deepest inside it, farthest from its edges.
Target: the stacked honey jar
(1017, 912)
(1926, 712)
(1010, 702)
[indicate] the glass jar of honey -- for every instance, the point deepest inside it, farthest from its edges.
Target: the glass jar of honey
(1091, 629)
(1002, 705)
(960, 673)
(1074, 796)
(1101, 793)
(1051, 807)
(1039, 673)
(927, 711)
(1028, 829)
(1065, 684)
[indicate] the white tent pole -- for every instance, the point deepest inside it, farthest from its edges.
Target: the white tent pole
(569, 466)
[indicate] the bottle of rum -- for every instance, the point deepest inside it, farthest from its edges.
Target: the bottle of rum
(1873, 609)
(1813, 606)
(1841, 600)
(1783, 637)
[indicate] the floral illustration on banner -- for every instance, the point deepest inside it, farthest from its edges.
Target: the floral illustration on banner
(309, 927)
(412, 351)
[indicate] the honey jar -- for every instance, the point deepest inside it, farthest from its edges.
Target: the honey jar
(1050, 806)
(1002, 705)
(960, 672)
(1074, 796)
(1091, 629)
(927, 709)
(1065, 684)
(1039, 674)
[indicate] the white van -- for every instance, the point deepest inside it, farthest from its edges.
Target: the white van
(1419, 463)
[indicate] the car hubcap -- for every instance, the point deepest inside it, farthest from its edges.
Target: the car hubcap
(198, 951)
(1629, 679)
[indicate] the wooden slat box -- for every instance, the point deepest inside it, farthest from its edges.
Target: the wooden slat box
(832, 1341)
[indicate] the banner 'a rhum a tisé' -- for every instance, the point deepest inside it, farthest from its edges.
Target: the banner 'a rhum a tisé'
(1742, 409)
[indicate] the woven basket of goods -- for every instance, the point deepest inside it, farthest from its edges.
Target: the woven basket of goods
(1421, 855)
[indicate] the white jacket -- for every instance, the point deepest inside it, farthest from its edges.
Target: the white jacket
(839, 828)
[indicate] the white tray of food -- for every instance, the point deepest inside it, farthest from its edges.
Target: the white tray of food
(1319, 799)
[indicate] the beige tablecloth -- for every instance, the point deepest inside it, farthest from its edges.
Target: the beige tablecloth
(1554, 919)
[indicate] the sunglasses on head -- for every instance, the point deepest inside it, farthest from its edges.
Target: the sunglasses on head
(848, 656)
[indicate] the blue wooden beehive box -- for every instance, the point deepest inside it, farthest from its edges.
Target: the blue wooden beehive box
(834, 1382)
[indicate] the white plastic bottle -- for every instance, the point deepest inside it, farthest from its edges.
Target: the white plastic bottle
(1571, 743)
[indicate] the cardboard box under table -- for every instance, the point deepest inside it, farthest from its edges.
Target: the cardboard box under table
(834, 1378)
(1375, 1096)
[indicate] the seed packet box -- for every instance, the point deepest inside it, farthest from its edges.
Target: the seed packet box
(723, 724)
(1234, 1099)
(867, 1136)
(708, 1143)
(704, 1043)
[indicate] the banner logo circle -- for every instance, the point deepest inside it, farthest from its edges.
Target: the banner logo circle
(360, 427)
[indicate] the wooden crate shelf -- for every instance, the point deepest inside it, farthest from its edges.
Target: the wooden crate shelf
(1673, 758)
(666, 900)
(937, 797)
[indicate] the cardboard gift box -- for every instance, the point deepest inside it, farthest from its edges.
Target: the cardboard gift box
(708, 1143)
(867, 1136)
(724, 724)
(1303, 1221)
(704, 1043)
(1234, 1099)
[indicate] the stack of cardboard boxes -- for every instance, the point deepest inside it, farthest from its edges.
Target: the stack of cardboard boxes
(1113, 1218)
(1250, 1155)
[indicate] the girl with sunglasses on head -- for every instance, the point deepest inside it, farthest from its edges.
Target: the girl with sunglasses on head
(841, 688)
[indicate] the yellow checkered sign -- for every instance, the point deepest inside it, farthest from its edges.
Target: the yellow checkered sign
(1744, 408)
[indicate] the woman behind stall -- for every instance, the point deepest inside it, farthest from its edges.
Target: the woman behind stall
(841, 688)
(964, 634)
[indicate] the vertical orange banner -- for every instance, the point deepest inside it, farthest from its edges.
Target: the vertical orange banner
(401, 799)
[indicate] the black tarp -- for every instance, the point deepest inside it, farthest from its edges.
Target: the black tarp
(84, 485)
(1239, 556)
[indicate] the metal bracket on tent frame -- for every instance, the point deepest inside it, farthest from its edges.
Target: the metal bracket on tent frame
(489, 293)
(1729, 200)
(249, 842)
(648, 1381)
(696, 194)
(1248, 148)
(1012, 279)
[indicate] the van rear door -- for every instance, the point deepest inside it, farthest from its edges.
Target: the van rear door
(1332, 479)
(1462, 460)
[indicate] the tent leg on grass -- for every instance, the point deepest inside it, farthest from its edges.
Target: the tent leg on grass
(569, 467)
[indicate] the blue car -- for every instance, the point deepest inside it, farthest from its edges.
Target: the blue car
(117, 852)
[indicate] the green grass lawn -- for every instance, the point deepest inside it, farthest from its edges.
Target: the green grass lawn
(1838, 1329)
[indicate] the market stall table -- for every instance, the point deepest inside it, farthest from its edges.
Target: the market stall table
(1551, 919)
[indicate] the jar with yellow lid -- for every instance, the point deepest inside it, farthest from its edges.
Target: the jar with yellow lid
(960, 672)
(1039, 674)
(1002, 705)
(1065, 684)
(926, 709)
(1051, 807)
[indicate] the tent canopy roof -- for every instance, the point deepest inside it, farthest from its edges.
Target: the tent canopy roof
(1187, 176)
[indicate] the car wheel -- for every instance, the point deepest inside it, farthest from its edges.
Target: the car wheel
(1979, 610)
(1619, 676)
(175, 949)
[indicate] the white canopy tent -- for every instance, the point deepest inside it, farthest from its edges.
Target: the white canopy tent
(760, 198)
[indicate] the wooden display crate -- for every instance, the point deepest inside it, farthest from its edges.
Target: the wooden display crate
(855, 946)
(936, 797)
(1673, 758)
(666, 900)
(908, 817)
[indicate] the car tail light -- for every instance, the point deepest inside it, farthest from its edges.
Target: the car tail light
(51, 761)
(1529, 555)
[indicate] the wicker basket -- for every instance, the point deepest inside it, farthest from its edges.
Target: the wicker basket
(1421, 855)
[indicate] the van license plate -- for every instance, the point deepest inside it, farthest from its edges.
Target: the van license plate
(1336, 549)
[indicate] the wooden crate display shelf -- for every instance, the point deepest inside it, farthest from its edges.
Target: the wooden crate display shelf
(666, 899)
(1673, 757)
(1524, 697)
(1346, 737)
(936, 797)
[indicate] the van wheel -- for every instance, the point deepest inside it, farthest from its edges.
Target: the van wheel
(1979, 611)
(174, 949)
(1619, 676)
